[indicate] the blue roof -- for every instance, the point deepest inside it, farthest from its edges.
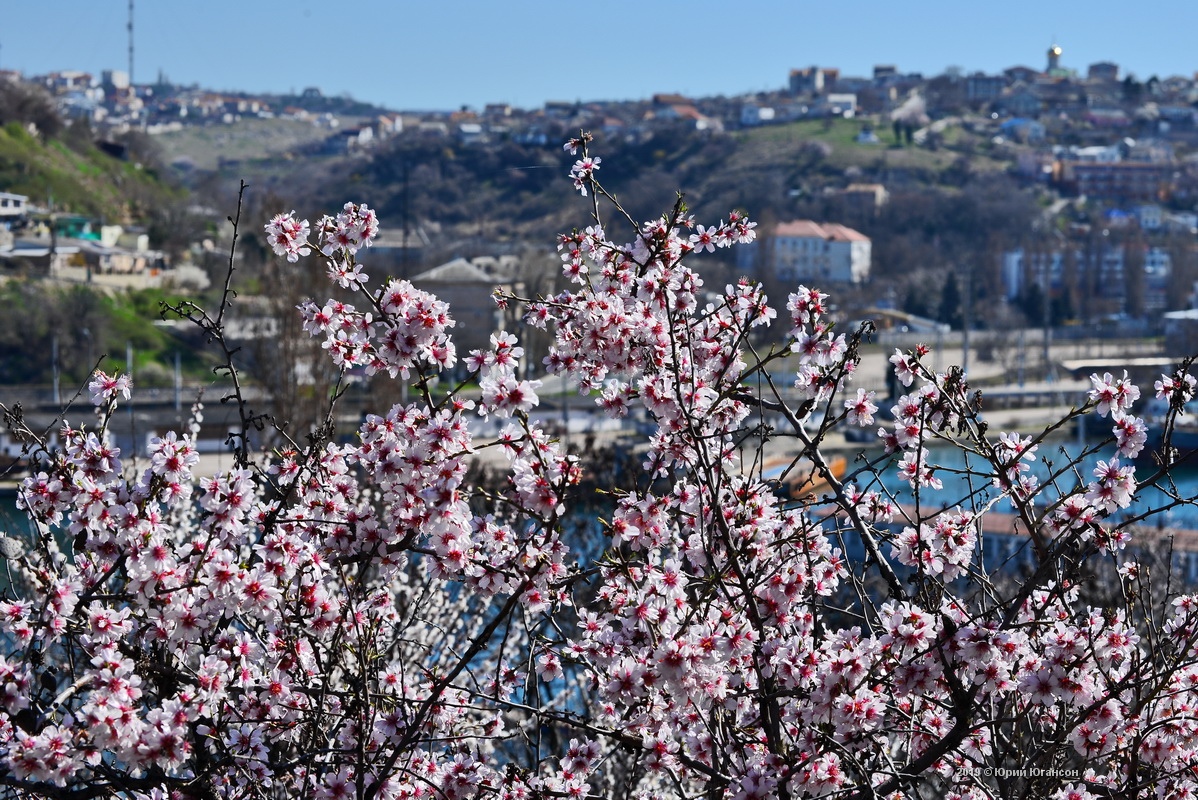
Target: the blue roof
(1016, 122)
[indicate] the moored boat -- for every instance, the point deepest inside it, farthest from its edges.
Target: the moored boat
(800, 480)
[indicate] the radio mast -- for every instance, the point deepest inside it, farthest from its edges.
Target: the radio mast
(130, 29)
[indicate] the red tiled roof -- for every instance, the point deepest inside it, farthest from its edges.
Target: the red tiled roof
(687, 112)
(806, 229)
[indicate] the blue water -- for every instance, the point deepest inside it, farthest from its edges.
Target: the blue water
(13, 521)
(1051, 458)
(959, 489)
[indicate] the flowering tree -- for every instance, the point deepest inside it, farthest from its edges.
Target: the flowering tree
(338, 621)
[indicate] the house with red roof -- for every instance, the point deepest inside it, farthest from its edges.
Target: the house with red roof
(804, 250)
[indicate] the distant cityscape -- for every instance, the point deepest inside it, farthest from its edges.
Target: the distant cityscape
(1127, 149)
(1077, 118)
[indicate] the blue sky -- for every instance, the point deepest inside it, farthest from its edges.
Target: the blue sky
(443, 54)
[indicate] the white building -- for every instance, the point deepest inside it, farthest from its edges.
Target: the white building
(115, 79)
(1097, 154)
(808, 251)
(1150, 216)
(1182, 221)
(752, 114)
(12, 205)
(839, 105)
(1098, 277)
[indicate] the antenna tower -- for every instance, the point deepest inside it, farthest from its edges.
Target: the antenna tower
(130, 29)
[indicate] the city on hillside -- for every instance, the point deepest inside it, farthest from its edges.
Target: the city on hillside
(1045, 203)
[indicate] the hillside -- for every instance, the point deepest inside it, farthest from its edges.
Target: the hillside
(508, 190)
(73, 174)
(953, 197)
(207, 147)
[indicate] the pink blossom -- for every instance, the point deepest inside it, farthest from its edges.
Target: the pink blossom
(288, 236)
(861, 409)
(1114, 396)
(107, 388)
(347, 615)
(905, 368)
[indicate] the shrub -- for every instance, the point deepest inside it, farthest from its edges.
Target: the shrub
(361, 621)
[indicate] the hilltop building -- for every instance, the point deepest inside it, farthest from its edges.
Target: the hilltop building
(1103, 71)
(813, 80)
(1054, 58)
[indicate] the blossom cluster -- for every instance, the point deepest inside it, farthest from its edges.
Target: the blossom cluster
(409, 326)
(365, 619)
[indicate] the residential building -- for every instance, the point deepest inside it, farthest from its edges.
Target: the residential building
(1121, 182)
(471, 133)
(1021, 74)
(1103, 71)
(982, 88)
(1099, 272)
(885, 71)
(396, 252)
(811, 80)
(1176, 117)
(1150, 216)
(388, 125)
(666, 99)
(837, 105)
(1020, 102)
(1181, 332)
(114, 80)
(805, 250)
(1095, 154)
(1097, 277)
(752, 114)
(1023, 129)
(1182, 222)
(1107, 118)
(350, 140)
(66, 80)
(106, 260)
(561, 110)
(683, 111)
(12, 206)
(468, 287)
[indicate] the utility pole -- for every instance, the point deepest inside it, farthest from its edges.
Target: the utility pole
(406, 216)
(51, 268)
(54, 364)
(132, 422)
(1046, 311)
(966, 320)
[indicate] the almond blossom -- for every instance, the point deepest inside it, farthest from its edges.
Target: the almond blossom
(365, 617)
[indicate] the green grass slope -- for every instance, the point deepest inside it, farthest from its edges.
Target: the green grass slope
(78, 177)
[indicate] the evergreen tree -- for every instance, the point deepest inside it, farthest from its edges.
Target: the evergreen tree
(950, 303)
